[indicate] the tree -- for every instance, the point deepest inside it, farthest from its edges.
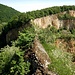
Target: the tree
(26, 38)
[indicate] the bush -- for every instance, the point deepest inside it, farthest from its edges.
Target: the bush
(61, 61)
(25, 38)
(48, 35)
(6, 55)
(17, 65)
(12, 62)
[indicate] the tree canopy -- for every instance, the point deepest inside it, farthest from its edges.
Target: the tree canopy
(6, 13)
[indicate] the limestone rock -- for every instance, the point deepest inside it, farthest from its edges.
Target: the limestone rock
(39, 59)
(44, 22)
(41, 54)
(53, 20)
(72, 13)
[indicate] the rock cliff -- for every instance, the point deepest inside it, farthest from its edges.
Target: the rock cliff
(13, 32)
(53, 20)
(39, 59)
(44, 22)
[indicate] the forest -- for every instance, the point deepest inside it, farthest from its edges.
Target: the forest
(6, 13)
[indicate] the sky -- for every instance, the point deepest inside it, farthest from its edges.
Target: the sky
(29, 5)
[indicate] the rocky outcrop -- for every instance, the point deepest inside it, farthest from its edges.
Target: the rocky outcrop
(41, 54)
(53, 20)
(13, 33)
(44, 22)
(48, 20)
(68, 46)
(39, 59)
(72, 13)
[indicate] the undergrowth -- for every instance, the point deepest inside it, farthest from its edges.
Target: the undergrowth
(61, 61)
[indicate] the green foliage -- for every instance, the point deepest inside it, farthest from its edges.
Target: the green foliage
(66, 17)
(26, 38)
(7, 12)
(72, 31)
(2, 25)
(61, 61)
(66, 35)
(18, 65)
(11, 25)
(48, 34)
(49, 11)
(6, 55)
(24, 18)
(12, 58)
(12, 61)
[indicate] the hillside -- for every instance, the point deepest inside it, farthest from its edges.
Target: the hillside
(6, 13)
(64, 19)
(40, 42)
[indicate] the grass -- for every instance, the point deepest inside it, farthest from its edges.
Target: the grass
(61, 61)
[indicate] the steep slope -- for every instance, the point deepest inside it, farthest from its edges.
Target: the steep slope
(39, 59)
(40, 47)
(7, 12)
(67, 22)
(42, 18)
(60, 17)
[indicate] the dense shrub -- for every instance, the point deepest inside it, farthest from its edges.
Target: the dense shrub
(66, 17)
(6, 13)
(12, 61)
(26, 38)
(61, 61)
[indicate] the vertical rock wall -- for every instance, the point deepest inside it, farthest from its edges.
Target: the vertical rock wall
(53, 20)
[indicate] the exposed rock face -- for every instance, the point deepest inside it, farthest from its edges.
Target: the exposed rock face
(44, 22)
(72, 13)
(68, 46)
(39, 60)
(41, 54)
(13, 33)
(42, 58)
(53, 20)
(48, 20)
